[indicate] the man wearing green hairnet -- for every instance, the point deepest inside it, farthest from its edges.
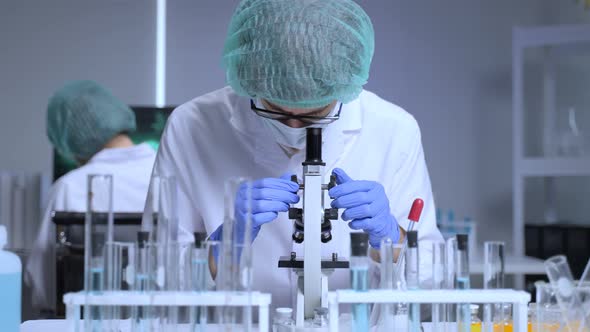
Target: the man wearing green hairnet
(292, 64)
(86, 123)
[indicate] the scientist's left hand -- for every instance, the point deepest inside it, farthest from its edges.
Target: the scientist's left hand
(366, 205)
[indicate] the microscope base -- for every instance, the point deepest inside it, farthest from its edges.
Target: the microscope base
(328, 267)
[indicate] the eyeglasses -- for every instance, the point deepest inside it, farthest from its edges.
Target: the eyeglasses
(309, 119)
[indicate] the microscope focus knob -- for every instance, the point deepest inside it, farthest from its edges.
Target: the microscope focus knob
(331, 214)
(297, 236)
(295, 213)
(332, 183)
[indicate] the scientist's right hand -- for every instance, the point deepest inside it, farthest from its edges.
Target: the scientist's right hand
(269, 197)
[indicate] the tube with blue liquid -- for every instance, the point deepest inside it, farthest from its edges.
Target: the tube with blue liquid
(359, 274)
(98, 231)
(199, 274)
(413, 278)
(143, 278)
(462, 282)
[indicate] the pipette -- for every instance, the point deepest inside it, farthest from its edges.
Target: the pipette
(413, 219)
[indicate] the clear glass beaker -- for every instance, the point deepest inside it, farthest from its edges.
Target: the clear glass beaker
(564, 286)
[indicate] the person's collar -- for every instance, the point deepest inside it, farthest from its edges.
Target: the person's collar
(116, 154)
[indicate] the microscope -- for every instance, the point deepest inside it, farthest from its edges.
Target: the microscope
(312, 227)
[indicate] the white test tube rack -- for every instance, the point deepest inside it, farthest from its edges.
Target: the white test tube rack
(75, 301)
(518, 299)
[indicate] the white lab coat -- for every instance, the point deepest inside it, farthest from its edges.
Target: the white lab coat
(131, 168)
(216, 136)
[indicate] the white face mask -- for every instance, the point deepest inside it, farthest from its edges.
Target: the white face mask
(286, 136)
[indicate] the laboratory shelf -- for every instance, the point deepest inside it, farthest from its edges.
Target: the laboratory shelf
(547, 167)
(565, 36)
(518, 265)
(553, 42)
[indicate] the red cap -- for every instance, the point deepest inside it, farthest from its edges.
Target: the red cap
(416, 210)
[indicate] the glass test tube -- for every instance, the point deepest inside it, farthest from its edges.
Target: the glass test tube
(389, 253)
(141, 315)
(234, 268)
(560, 275)
(584, 290)
(438, 278)
(123, 276)
(548, 316)
(199, 274)
(413, 278)
(98, 230)
(475, 321)
(168, 249)
(359, 270)
(462, 281)
(450, 273)
(493, 278)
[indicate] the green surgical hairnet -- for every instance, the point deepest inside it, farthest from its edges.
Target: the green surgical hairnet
(83, 116)
(299, 53)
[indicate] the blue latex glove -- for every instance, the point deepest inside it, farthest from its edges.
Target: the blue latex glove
(366, 205)
(269, 197)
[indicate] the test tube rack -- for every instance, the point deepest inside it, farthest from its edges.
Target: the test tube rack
(518, 299)
(75, 301)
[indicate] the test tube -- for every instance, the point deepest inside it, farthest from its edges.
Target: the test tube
(560, 275)
(199, 274)
(168, 268)
(450, 273)
(462, 281)
(584, 289)
(413, 218)
(96, 315)
(438, 278)
(384, 315)
(234, 270)
(493, 278)
(359, 270)
(143, 279)
(98, 230)
(413, 278)
(123, 275)
(548, 314)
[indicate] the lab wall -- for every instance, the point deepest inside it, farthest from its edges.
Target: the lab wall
(446, 62)
(46, 43)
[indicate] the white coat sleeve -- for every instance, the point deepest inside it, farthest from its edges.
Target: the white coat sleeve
(174, 159)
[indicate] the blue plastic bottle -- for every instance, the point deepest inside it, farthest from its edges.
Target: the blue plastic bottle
(10, 287)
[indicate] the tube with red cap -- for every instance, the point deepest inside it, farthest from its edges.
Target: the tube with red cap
(413, 219)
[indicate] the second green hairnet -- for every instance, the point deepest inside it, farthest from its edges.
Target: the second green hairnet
(82, 117)
(299, 53)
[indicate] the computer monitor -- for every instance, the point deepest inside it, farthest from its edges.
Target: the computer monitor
(150, 125)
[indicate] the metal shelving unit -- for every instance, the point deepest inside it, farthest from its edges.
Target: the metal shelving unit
(555, 41)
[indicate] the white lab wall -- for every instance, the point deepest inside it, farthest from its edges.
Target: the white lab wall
(46, 43)
(446, 62)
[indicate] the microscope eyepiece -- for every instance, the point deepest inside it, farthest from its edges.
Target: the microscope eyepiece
(313, 149)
